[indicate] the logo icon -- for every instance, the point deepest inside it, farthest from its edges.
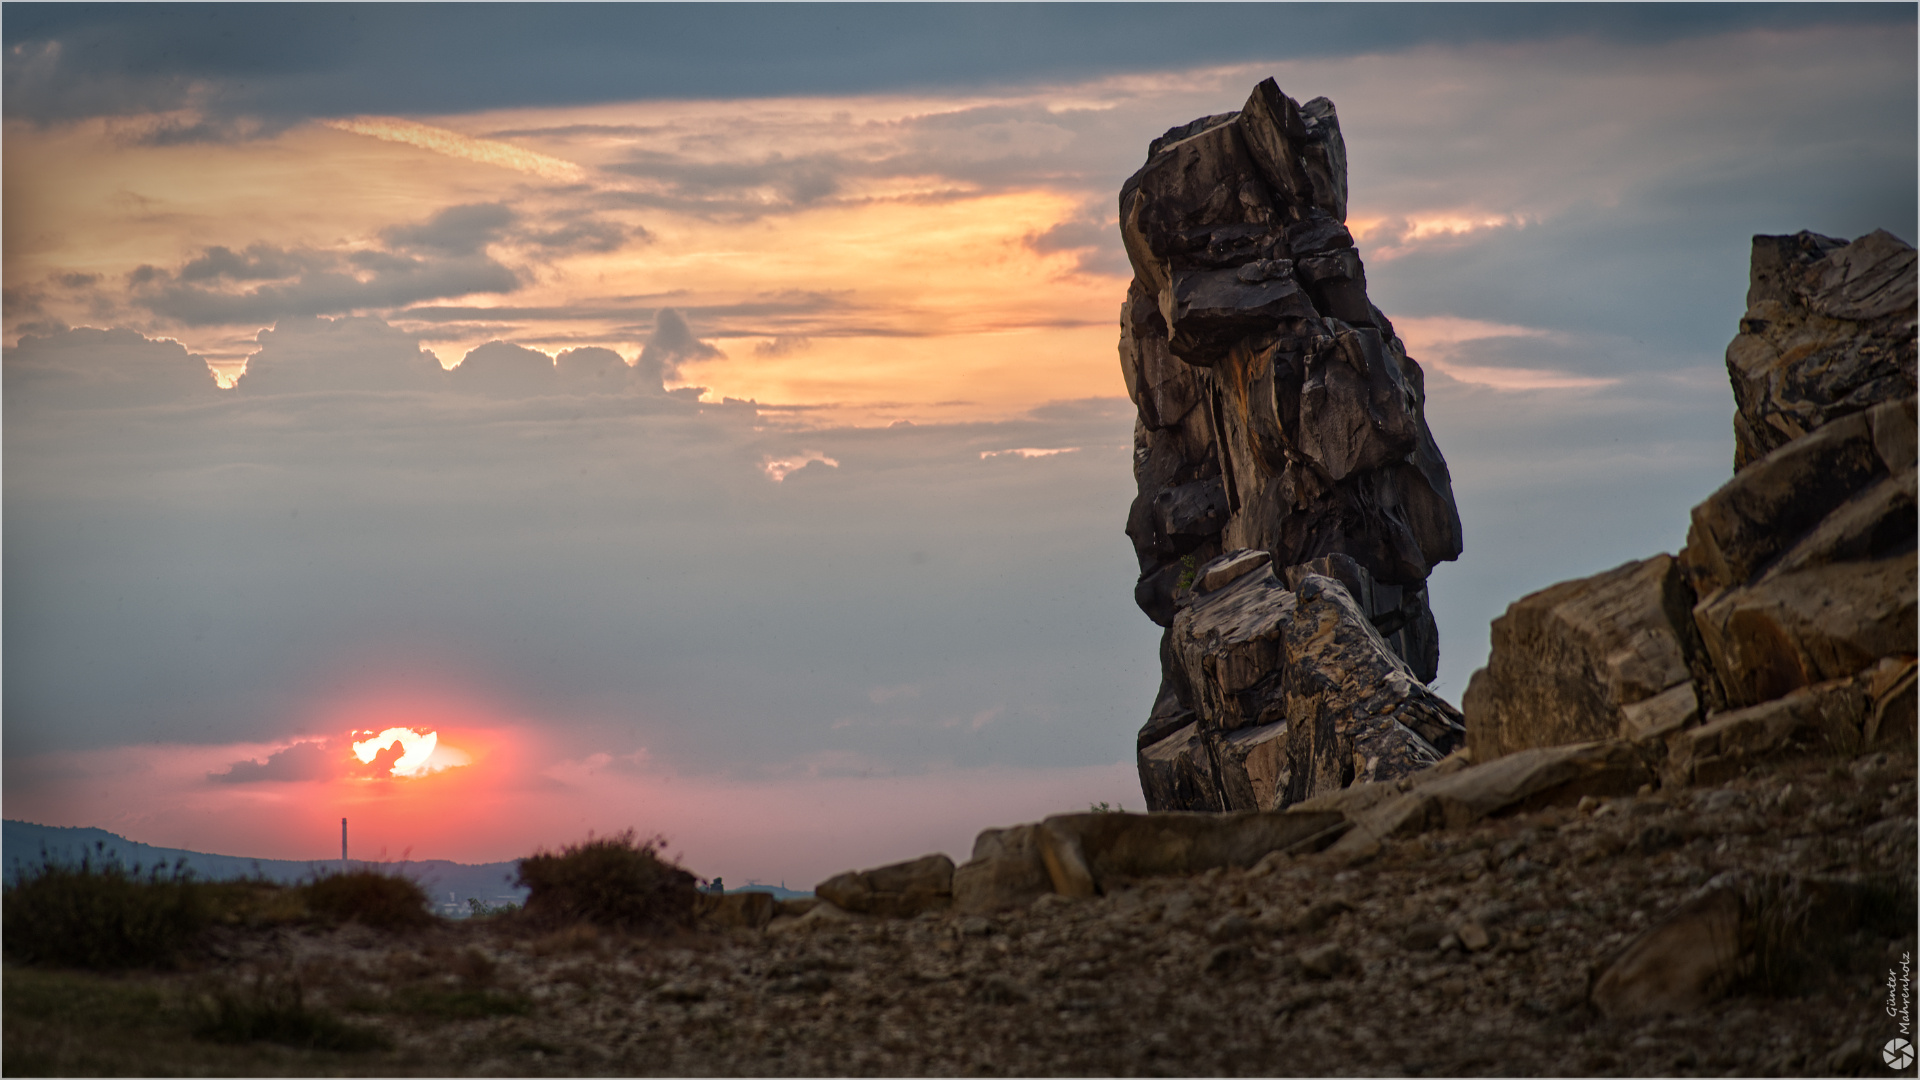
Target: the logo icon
(1898, 1052)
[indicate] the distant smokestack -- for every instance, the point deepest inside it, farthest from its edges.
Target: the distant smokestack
(343, 844)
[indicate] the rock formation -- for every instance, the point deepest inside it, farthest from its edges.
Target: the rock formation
(1790, 614)
(1281, 444)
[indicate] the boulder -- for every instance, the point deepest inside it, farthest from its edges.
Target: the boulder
(1826, 717)
(1006, 871)
(744, 910)
(1086, 854)
(1398, 612)
(1227, 641)
(900, 890)
(1777, 499)
(1292, 693)
(1681, 964)
(1569, 660)
(1790, 630)
(1177, 772)
(1252, 766)
(1355, 713)
(1828, 331)
(1778, 934)
(1278, 413)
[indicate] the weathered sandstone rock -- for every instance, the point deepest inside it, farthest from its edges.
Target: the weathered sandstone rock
(1678, 966)
(899, 890)
(1777, 499)
(1794, 629)
(1278, 413)
(1569, 660)
(1829, 330)
(1525, 780)
(1798, 572)
(1762, 930)
(1355, 713)
(1293, 693)
(1087, 853)
(1006, 871)
(749, 910)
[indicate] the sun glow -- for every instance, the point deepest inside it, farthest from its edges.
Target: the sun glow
(416, 749)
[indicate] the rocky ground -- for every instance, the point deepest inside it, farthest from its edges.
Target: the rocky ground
(1453, 953)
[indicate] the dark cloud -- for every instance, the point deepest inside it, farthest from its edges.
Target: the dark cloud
(740, 188)
(282, 61)
(671, 344)
(444, 256)
(301, 761)
(585, 236)
(318, 282)
(1095, 239)
(456, 231)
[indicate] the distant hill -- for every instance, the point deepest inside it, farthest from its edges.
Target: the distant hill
(449, 884)
(780, 892)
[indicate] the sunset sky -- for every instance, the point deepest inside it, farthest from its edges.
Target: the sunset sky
(706, 419)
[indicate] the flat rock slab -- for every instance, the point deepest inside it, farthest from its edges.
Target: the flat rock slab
(1522, 781)
(900, 890)
(1087, 853)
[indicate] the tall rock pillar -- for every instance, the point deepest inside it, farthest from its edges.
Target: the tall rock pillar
(1279, 415)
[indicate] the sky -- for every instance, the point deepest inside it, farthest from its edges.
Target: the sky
(707, 420)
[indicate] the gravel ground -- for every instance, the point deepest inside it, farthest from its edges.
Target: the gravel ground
(1457, 953)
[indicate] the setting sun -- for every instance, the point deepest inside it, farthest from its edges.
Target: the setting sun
(416, 749)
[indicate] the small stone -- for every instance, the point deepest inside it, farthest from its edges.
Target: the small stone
(1000, 990)
(1587, 804)
(1473, 936)
(1225, 958)
(1324, 961)
(680, 993)
(1423, 936)
(976, 926)
(1229, 928)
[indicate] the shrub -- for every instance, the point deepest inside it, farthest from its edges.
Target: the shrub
(99, 914)
(617, 882)
(276, 1011)
(369, 897)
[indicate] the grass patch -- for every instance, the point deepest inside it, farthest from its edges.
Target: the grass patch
(100, 915)
(618, 882)
(368, 897)
(82, 1023)
(275, 1011)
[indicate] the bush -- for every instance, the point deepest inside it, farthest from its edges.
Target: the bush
(276, 1011)
(99, 914)
(369, 897)
(617, 882)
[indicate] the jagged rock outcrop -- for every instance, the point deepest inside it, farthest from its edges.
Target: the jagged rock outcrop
(1789, 618)
(1828, 332)
(1278, 414)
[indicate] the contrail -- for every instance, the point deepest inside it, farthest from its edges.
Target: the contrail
(465, 147)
